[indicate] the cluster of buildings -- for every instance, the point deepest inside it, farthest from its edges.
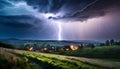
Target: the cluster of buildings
(54, 46)
(49, 48)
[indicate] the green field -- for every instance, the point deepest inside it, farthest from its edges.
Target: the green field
(19, 59)
(104, 57)
(97, 52)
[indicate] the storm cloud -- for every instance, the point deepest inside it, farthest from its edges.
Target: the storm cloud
(75, 9)
(46, 19)
(67, 9)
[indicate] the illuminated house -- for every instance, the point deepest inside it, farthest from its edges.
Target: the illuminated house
(74, 47)
(71, 47)
(30, 48)
(49, 49)
(60, 48)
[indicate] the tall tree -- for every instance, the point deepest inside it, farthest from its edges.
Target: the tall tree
(107, 42)
(112, 42)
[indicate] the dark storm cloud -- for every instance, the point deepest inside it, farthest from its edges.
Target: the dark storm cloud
(4, 3)
(46, 6)
(100, 8)
(18, 24)
(97, 9)
(75, 9)
(24, 27)
(19, 21)
(72, 9)
(28, 18)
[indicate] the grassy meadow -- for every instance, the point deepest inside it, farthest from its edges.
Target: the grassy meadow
(102, 57)
(97, 52)
(12, 60)
(20, 59)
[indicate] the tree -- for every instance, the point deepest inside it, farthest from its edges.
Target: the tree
(107, 42)
(91, 45)
(112, 42)
(119, 42)
(102, 44)
(81, 45)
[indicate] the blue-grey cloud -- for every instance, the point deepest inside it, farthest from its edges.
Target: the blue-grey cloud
(32, 18)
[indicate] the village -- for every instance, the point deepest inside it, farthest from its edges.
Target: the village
(50, 48)
(54, 46)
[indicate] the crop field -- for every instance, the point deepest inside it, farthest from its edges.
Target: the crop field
(20, 59)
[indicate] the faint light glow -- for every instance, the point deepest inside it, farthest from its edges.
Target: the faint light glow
(47, 15)
(78, 30)
(22, 3)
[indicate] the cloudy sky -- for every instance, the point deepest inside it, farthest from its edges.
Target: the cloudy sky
(60, 19)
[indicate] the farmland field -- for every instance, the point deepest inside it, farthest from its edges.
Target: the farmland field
(20, 59)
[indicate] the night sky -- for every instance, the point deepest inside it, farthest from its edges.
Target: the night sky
(60, 19)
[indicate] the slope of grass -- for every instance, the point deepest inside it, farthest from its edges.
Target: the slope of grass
(61, 63)
(104, 51)
(9, 60)
(20, 59)
(110, 59)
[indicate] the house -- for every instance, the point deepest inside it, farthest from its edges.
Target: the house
(49, 48)
(30, 48)
(60, 48)
(74, 47)
(71, 47)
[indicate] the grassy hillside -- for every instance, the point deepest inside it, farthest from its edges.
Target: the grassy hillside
(19, 59)
(103, 51)
(62, 63)
(10, 60)
(110, 59)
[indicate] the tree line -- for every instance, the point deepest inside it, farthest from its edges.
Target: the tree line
(110, 42)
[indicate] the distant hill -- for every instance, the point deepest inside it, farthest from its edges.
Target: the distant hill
(7, 45)
(13, 41)
(18, 42)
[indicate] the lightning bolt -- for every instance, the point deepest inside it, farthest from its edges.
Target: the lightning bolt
(44, 16)
(85, 7)
(56, 22)
(59, 31)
